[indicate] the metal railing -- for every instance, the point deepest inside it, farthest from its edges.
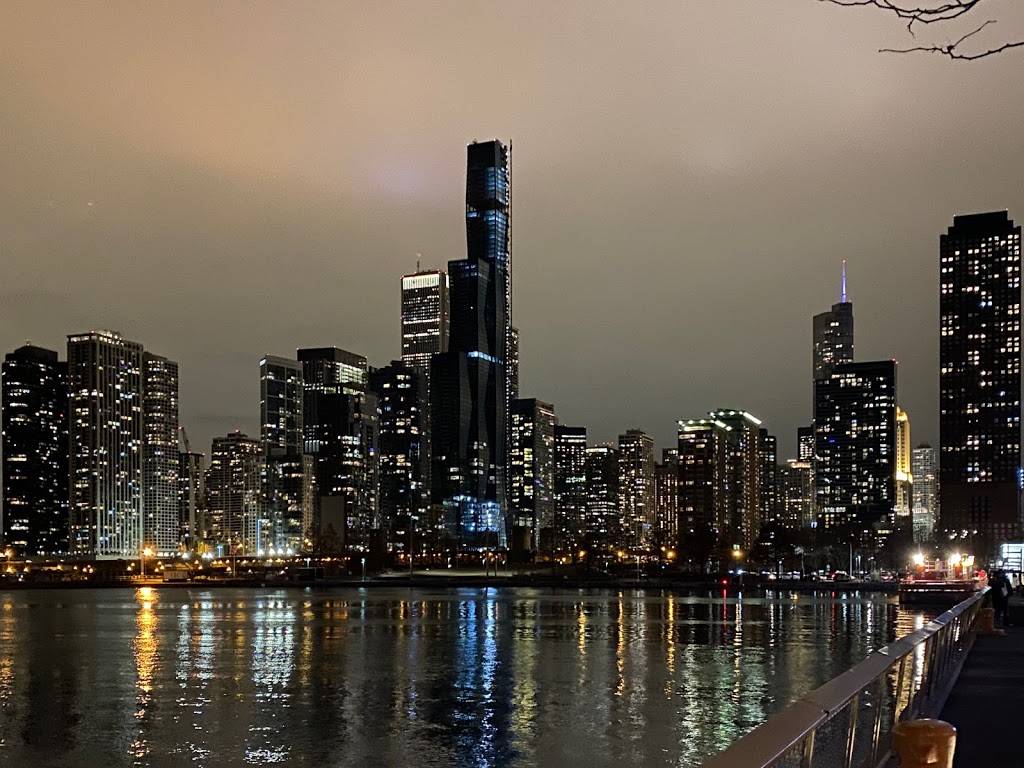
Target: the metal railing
(848, 721)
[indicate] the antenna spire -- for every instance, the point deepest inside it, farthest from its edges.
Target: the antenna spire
(842, 299)
(418, 257)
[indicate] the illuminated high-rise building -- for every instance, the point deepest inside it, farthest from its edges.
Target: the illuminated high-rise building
(470, 383)
(424, 318)
(769, 462)
(532, 475)
(161, 531)
(703, 449)
(980, 380)
(833, 335)
(666, 500)
(904, 475)
(35, 453)
(795, 495)
(805, 443)
(106, 440)
(287, 473)
(341, 434)
(855, 450)
(513, 363)
(401, 392)
(234, 495)
(741, 522)
(570, 486)
(636, 489)
(925, 465)
(601, 524)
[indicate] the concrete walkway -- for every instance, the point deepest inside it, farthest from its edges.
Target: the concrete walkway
(987, 703)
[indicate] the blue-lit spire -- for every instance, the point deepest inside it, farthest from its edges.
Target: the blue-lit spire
(842, 295)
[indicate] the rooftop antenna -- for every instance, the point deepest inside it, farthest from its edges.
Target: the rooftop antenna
(418, 257)
(842, 298)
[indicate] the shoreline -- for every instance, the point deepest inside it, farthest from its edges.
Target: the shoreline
(476, 582)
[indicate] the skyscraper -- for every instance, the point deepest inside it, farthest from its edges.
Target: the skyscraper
(769, 461)
(703, 488)
(161, 530)
(855, 450)
(424, 318)
(805, 443)
(601, 528)
(234, 494)
(470, 384)
(570, 486)
(35, 453)
(287, 474)
(401, 392)
(193, 526)
(833, 335)
(904, 476)
(741, 522)
(513, 364)
(796, 495)
(666, 500)
(636, 489)
(924, 462)
(532, 476)
(980, 380)
(342, 435)
(106, 445)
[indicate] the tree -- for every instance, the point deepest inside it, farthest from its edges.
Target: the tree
(942, 15)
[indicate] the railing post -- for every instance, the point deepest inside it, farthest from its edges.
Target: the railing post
(851, 731)
(900, 678)
(807, 751)
(876, 724)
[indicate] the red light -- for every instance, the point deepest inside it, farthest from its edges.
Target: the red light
(723, 582)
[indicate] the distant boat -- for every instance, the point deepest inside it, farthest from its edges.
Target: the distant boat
(938, 585)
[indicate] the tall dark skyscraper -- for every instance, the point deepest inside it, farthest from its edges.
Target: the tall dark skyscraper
(570, 486)
(425, 311)
(287, 474)
(833, 335)
(855, 449)
(106, 439)
(160, 454)
(341, 434)
(703, 450)
(470, 383)
(980, 379)
(666, 500)
(401, 392)
(35, 453)
(601, 529)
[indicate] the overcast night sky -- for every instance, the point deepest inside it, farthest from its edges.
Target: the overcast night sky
(224, 180)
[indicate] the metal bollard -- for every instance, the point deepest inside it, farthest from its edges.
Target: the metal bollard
(987, 621)
(924, 743)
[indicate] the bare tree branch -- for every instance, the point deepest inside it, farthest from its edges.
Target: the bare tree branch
(939, 12)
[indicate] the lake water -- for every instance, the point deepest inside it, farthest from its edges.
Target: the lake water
(410, 677)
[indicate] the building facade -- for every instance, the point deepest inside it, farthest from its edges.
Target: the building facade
(34, 407)
(161, 532)
(424, 318)
(980, 380)
(106, 440)
(532, 476)
(666, 501)
(795, 495)
(925, 464)
(636, 489)
(234, 495)
(769, 460)
(833, 335)
(401, 392)
(601, 528)
(904, 474)
(855, 450)
(341, 430)
(570, 478)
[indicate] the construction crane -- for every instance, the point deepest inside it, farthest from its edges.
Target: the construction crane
(193, 468)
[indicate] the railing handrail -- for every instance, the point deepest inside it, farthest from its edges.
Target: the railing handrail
(782, 732)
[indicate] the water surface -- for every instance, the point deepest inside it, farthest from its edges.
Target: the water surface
(410, 677)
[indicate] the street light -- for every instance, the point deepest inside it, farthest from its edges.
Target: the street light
(146, 552)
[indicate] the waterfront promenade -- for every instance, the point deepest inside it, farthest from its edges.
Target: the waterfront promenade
(987, 700)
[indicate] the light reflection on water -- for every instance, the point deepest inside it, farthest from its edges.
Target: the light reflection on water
(411, 677)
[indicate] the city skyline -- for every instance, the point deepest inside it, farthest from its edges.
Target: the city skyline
(201, 238)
